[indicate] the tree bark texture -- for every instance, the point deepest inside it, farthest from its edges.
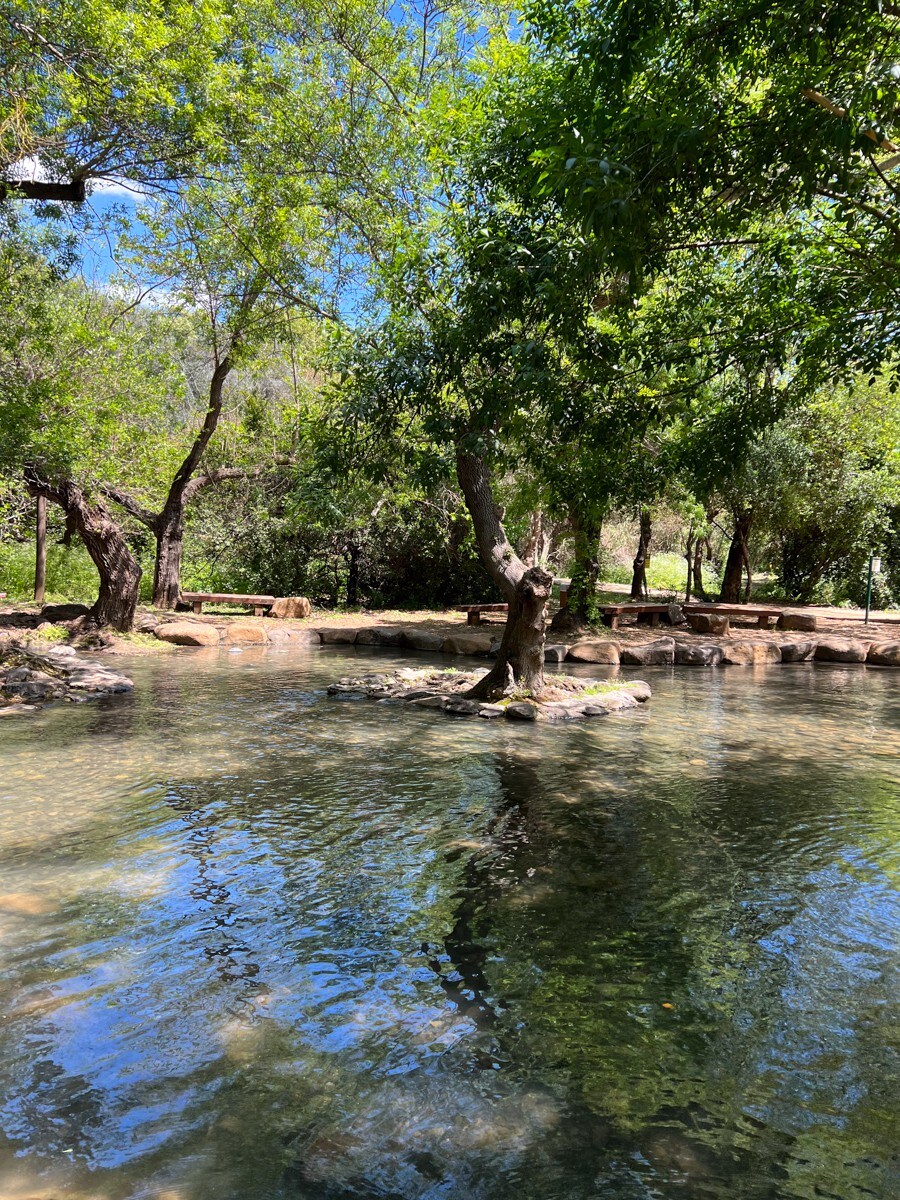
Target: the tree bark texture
(586, 571)
(639, 589)
(738, 554)
(40, 549)
(119, 570)
(520, 659)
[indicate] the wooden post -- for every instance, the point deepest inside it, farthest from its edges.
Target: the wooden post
(40, 543)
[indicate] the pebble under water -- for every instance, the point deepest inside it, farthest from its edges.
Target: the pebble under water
(260, 944)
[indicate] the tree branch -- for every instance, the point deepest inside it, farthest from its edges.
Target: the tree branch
(131, 506)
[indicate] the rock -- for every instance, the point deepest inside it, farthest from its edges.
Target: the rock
(800, 621)
(520, 710)
(188, 633)
(238, 634)
(13, 710)
(338, 635)
(380, 635)
(675, 615)
(884, 654)
(293, 607)
(639, 688)
(61, 652)
(687, 655)
(490, 712)
(841, 650)
(752, 654)
(422, 639)
(594, 652)
(794, 652)
(476, 643)
(463, 708)
(659, 653)
(567, 710)
(281, 635)
(555, 654)
(430, 702)
(54, 613)
(713, 623)
(146, 623)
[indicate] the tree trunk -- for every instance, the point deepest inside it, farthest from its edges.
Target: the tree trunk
(40, 549)
(534, 540)
(737, 555)
(699, 589)
(639, 589)
(586, 572)
(689, 556)
(520, 659)
(167, 569)
(119, 570)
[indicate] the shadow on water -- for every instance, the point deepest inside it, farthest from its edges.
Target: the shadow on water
(260, 944)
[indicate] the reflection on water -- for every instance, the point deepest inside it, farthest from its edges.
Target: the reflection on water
(261, 944)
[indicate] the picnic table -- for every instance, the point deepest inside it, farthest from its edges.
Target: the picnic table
(259, 604)
(473, 611)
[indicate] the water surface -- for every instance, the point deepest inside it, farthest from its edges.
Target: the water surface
(258, 944)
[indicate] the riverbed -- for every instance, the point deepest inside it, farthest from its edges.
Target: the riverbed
(261, 944)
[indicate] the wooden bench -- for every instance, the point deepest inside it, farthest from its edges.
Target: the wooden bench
(645, 613)
(259, 604)
(748, 612)
(473, 611)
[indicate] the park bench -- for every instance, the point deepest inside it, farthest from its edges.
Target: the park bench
(259, 604)
(473, 611)
(747, 612)
(649, 614)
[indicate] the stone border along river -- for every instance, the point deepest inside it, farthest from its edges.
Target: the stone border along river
(663, 651)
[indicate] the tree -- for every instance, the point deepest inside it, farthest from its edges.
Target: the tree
(103, 90)
(661, 125)
(80, 391)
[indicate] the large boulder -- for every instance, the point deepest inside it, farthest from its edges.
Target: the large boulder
(380, 635)
(751, 654)
(799, 621)
(474, 643)
(884, 654)
(594, 652)
(710, 623)
(291, 607)
(54, 613)
(687, 655)
(650, 654)
(422, 639)
(841, 650)
(794, 652)
(338, 635)
(284, 635)
(240, 634)
(188, 633)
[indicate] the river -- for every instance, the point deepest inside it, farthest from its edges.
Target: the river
(260, 944)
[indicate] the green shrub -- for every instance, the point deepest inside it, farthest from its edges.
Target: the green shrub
(70, 573)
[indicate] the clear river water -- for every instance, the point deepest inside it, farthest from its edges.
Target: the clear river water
(259, 944)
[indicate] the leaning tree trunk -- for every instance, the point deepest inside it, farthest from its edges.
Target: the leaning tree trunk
(639, 590)
(119, 570)
(738, 553)
(520, 658)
